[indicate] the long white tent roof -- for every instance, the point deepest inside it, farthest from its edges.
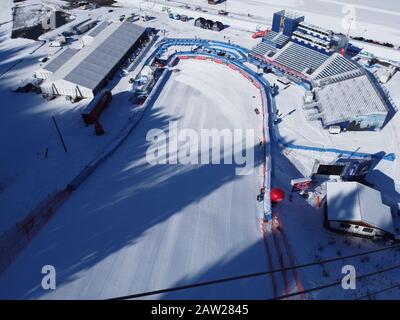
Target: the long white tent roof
(92, 64)
(355, 202)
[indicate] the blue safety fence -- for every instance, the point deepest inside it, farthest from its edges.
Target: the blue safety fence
(388, 157)
(239, 52)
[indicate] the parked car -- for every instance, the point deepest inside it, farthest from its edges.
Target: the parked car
(174, 16)
(43, 59)
(335, 129)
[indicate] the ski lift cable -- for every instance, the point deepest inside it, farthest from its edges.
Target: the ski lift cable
(335, 284)
(253, 275)
(378, 291)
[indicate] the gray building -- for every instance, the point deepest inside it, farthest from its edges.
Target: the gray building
(87, 71)
(352, 207)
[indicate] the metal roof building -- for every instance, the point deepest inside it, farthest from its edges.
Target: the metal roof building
(55, 63)
(86, 72)
(88, 38)
(356, 208)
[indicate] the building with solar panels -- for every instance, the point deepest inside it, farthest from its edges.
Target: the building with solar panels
(82, 73)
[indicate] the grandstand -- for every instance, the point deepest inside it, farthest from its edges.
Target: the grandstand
(315, 30)
(300, 59)
(304, 50)
(295, 47)
(276, 39)
(281, 40)
(319, 44)
(263, 49)
(345, 94)
(337, 68)
(353, 103)
(270, 36)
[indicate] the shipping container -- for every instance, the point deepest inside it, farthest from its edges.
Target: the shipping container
(95, 107)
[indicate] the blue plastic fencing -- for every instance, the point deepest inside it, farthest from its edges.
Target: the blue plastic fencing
(388, 157)
(240, 52)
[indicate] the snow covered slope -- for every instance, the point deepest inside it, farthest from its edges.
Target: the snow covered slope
(135, 227)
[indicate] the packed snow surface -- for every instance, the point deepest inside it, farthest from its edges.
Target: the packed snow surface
(136, 227)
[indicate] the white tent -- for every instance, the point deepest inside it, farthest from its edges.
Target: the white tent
(86, 70)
